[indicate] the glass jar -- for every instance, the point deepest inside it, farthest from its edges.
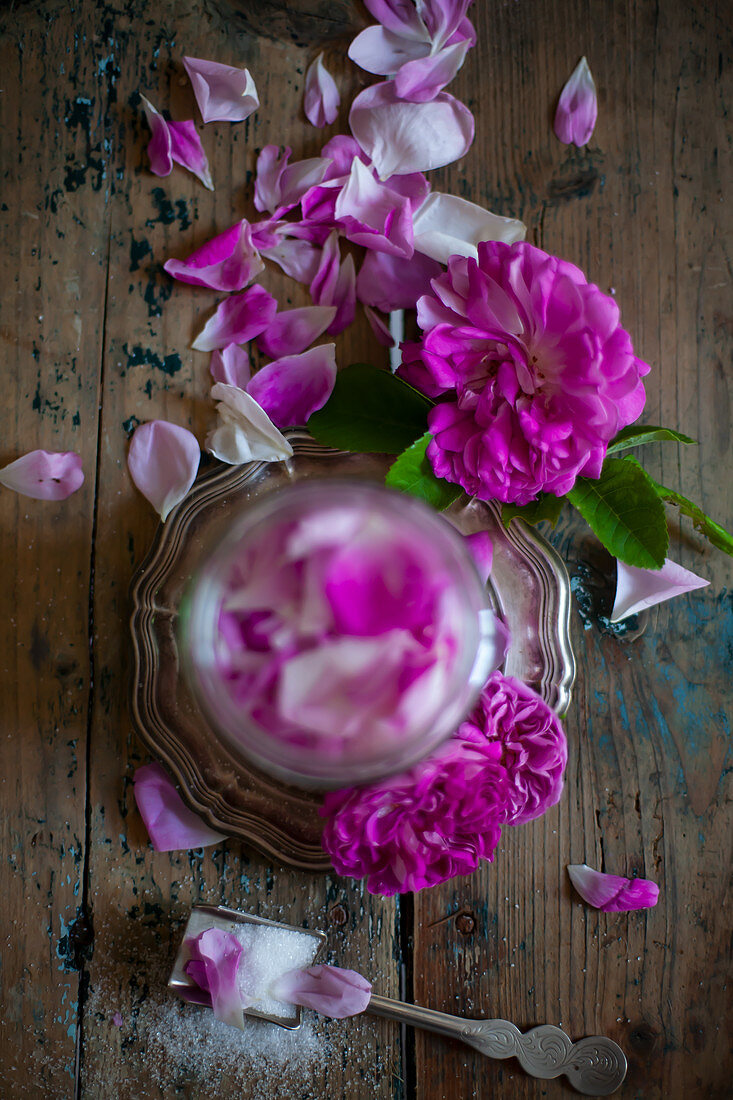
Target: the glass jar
(338, 633)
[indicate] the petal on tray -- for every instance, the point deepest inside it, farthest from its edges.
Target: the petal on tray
(244, 432)
(170, 824)
(214, 966)
(292, 388)
(330, 990)
(163, 460)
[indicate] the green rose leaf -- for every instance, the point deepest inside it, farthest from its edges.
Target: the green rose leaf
(412, 473)
(624, 511)
(707, 527)
(546, 507)
(370, 410)
(635, 436)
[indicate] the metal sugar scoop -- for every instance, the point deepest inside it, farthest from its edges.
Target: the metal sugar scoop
(595, 1066)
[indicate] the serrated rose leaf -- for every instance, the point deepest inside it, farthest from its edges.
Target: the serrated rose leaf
(546, 507)
(244, 431)
(231, 365)
(187, 150)
(638, 589)
(223, 93)
(228, 262)
(390, 282)
(163, 460)
(214, 966)
(44, 475)
(292, 388)
(170, 824)
(237, 319)
(321, 97)
(612, 893)
(636, 436)
(413, 474)
(330, 990)
(577, 108)
(446, 225)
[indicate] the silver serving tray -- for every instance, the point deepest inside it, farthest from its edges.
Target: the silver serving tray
(528, 587)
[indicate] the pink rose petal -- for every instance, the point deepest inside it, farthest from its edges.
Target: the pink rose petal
(237, 320)
(323, 284)
(482, 552)
(223, 93)
(298, 259)
(117, 1019)
(292, 388)
(373, 215)
(402, 137)
(637, 589)
(577, 108)
(612, 893)
(187, 150)
(446, 225)
(294, 330)
(390, 282)
(163, 460)
(244, 431)
(231, 365)
(344, 297)
(279, 185)
(383, 52)
(444, 18)
(170, 824)
(421, 80)
(214, 966)
(380, 328)
(321, 99)
(159, 147)
(227, 262)
(330, 990)
(44, 475)
(400, 16)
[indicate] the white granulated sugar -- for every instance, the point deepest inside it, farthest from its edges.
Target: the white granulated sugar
(268, 953)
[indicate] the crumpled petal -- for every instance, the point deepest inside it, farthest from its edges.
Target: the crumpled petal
(279, 185)
(231, 365)
(44, 475)
(444, 19)
(237, 319)
(577, 108)
(373, 215)
(321, 98)
(228, 262)
(214, 966)
(330, 990)
(223, 93)
(187, 150)
(390, 282)
(446, 225)
(421, 80)
(170, 824)
(383, 52)
(163, 460)
(244, 432)
(482, 551)
(400, 16)
(298, 259)
(612, 893)
(323, 284)
(379, 327)
(335, 284)
(294, 330)
(637, 589)
(159, 146)
(292, 388)
(402, 137)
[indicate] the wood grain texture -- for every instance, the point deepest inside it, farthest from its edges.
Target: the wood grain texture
(95, 338)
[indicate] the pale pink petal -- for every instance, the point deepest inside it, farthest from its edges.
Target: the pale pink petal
(227, 262)
(244, 431)
(400, 16)
(214, 966)
(270, 166)
(187, 150)
(170, 823)
(294, 330)
(118, 1019)
(298, 259)
(344, 297)
(421, 80)
(292, 388)
(159, 146)
(231, 365)
(163, 460)
(612, 893)
(389, 282)
(443, 18)
(280, 185)
(373, 215)
(637, 589)
(330, 990)
(340, 150)
(446, 225)
(379, 327)
(44, 475)
(383, 52)
(402, 137)
(323, 284)
(321, 98)
(577, 108)
(223, 93)
(482, 552)
(237, 319)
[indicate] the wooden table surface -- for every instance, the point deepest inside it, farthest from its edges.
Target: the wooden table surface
(95, 337)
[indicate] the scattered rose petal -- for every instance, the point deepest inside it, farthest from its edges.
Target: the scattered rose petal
(227, 262)
(321, 99)
(637, 589)
(159, 146)
(292, 388)
(170, 824)
(402, 137)
(163, 460)
(294, 330)
(244, 432)
(612, 893)
(482, 552)
(400, 16)
(372, 214)
(279, 185)
(380, 328)
(577, 108)
(323, 284)
(344, 297)
(298, 259)
(44, 475)
(231, 365)
(187, 150)
(420, 80)
(223, 93)
(389, 282)
(237, 320)
(214, 966)
(117, 1019)
(330, 990)
(446, 225)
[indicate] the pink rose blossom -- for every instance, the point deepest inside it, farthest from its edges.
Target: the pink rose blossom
(536, 372)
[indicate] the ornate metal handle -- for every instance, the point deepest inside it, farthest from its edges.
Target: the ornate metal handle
(595, 1066)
